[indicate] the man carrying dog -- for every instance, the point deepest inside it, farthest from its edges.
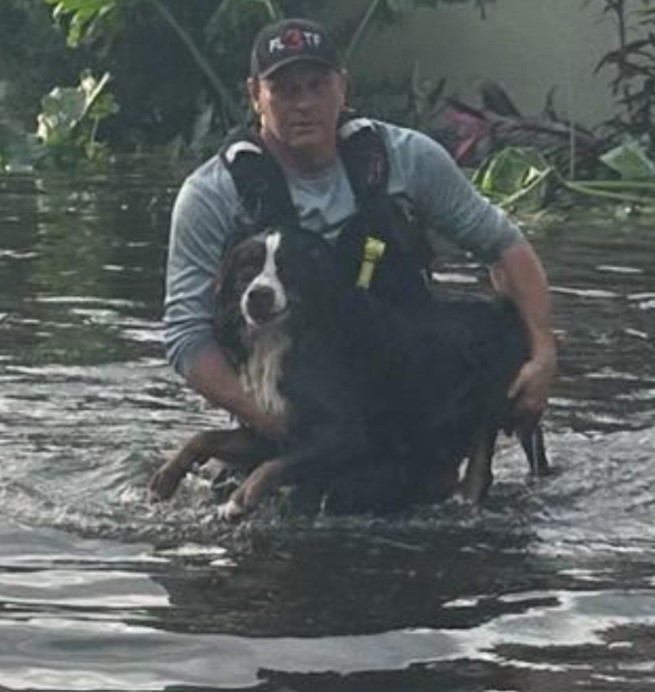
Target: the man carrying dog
(298, 92)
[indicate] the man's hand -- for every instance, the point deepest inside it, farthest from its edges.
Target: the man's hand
(519, 276)
(531, 388)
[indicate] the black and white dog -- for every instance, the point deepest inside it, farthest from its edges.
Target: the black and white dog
(383, 405)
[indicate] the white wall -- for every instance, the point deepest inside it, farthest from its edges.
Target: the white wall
(528, 46)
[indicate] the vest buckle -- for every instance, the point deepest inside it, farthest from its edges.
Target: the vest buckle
(373, 251)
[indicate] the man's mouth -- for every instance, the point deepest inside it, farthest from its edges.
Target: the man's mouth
(304, 126)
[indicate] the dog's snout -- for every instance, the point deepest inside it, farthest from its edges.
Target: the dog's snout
(260, 303)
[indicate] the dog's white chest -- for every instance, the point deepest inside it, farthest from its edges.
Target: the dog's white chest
(262, 372)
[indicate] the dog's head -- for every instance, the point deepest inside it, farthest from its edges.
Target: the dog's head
(272, 277)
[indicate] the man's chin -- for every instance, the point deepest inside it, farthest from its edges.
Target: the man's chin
(306, 136)
(305, 142)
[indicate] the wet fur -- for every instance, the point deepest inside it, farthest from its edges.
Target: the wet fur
(262, 371)
(383, 405)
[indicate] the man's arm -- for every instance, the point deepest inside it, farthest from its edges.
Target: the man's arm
(449, 205)
(519, 275)
(203, 222)
(212, 376)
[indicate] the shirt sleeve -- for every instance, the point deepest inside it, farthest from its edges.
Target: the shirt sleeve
(203, 220)
(446, 202)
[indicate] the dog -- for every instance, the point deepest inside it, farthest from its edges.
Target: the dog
(383, 404)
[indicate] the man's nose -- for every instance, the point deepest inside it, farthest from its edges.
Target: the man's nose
(304, 97)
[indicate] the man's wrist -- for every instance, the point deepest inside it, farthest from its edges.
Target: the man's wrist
(545, 364)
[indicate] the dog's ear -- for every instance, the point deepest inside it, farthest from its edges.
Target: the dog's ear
(225, 269)
(227, 315)
(228, 262)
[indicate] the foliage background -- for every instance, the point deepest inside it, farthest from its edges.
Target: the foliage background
(33, 57)
(164, 98)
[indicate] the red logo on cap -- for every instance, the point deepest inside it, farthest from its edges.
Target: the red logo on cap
(293, 39)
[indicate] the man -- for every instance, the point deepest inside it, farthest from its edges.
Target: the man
(298, 93)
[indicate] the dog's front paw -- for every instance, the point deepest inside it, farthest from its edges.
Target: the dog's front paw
(164, 483)
(460, 497)
(230, 511)
(472, 490)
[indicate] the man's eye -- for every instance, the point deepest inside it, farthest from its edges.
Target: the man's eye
(318, 83)
(282, 89)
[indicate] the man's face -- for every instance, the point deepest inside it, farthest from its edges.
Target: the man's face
(299, 105)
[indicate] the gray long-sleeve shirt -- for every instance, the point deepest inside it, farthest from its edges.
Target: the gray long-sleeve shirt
(208, 211)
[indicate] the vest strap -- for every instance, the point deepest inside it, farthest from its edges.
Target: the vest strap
(377, 246)
(365, 158)
(259, 180)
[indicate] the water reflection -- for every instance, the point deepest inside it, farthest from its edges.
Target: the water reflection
(549, 587)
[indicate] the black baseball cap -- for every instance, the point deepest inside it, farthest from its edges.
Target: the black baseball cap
(289, 41)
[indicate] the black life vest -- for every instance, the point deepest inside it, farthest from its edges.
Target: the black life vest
(379, 248)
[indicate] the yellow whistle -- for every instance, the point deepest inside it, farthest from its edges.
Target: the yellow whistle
(373, 251)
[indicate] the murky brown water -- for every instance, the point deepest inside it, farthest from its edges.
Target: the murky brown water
(550, 587)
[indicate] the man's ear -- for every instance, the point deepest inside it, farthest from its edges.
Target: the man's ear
(253, 86)
(344, 78)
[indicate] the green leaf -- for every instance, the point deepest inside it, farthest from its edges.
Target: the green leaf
(103, 107)
(516, 176)
(630, 161)
(69, 119)
(64, 107)
(61, 110)
(84, 16)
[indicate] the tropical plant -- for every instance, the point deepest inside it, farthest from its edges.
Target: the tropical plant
(66, 135)
(192, 57)
(69, 120)
(33, 57)
(633, 62)
(517, 178)
(91, 21)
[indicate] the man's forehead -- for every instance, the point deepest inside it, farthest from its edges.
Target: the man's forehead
(299, 70)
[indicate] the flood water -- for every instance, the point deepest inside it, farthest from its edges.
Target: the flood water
(550, 587)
